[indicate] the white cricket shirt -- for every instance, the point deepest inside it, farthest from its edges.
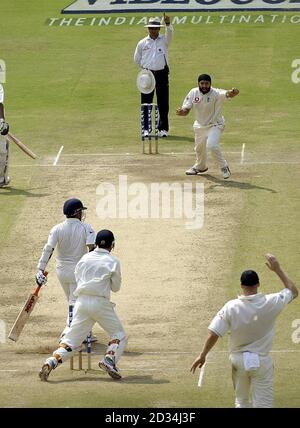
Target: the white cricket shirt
(97, 273)
(1, 94)
(153, 54)
(71, 238)
(251, 320)
(207, 107)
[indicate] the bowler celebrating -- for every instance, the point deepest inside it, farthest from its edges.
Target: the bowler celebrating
(207, 102)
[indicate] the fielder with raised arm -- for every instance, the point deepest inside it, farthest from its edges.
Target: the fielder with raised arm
(97, 274)
(207, 103)
(251, 321)
(4, 144)
(73, 239)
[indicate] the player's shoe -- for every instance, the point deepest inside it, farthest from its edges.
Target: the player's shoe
(195, 171)
(5, 182)
(47, 368)
(108, 365)
(226, 172)
(163, 133)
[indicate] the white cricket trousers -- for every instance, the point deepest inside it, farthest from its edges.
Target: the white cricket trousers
(87, 311)
(4, 152)
(253, 388)
(66, 276)
(208, 139)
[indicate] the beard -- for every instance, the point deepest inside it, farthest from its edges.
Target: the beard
(204, 90)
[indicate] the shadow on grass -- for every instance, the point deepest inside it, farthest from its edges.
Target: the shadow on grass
(11, 191)
(138, 379)
(234, 184)
(178, 138)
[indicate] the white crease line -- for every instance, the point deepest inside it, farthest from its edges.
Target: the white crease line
(213, 352)
(272, 163)
(243, 153)
(78, 165)
(139, 164)
(58, 155)
(133, 154)
(9, 370)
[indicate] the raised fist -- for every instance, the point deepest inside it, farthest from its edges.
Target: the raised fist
(4, 127)
(167, 19)
(40, 278)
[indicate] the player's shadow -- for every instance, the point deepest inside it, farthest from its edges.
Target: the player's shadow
(100, 348)
(12, 191)
(234, 184)
(99, 377)
(179, 138)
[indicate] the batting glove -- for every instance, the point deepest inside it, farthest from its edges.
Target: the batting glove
(40, 278)
(4, 127)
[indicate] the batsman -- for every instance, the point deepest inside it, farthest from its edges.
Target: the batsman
(72, 239)
(4, 145)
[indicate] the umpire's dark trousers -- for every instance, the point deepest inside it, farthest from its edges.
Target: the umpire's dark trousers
(162, 96)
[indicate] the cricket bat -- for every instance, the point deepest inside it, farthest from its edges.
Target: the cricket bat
(201, 375)
(21, 146)
(24, 314)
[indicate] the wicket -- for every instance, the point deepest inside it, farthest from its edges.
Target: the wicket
(148, 109)
(80, 359)
(88, 348)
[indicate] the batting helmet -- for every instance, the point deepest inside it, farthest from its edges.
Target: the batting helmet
(72, 207)
(105, 238)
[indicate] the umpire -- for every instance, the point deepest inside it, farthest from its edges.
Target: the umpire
(152, 53)
(250, 319)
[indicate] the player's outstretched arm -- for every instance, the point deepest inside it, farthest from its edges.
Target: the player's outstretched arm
(232, 93)
(274, 265)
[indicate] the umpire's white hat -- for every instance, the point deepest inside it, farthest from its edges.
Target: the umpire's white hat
(145, 81)
(154, 23)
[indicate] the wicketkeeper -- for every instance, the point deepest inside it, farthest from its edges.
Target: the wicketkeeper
(97, 274)
(4, 145)
(73, 239)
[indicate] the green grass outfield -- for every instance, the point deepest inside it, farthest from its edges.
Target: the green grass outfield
(75, 86)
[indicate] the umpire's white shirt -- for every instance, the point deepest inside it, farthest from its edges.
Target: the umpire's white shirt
(251, 321)
(1, 94)
(71, 238)
(153, 54)
(2, 137)
(207, 107)
(97, 273)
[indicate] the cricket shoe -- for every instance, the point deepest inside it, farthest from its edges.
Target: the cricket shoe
(47, 368)
(163, 133)
(226, 172)
(108, 365)
(5, 182)
(195, 171)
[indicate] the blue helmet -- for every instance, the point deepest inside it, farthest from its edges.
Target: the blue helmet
(72, 207)
(105, 238)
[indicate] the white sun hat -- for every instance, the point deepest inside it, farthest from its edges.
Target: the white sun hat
(154, 22)
(145, 81)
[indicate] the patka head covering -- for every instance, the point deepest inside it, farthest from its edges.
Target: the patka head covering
(204, 77)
